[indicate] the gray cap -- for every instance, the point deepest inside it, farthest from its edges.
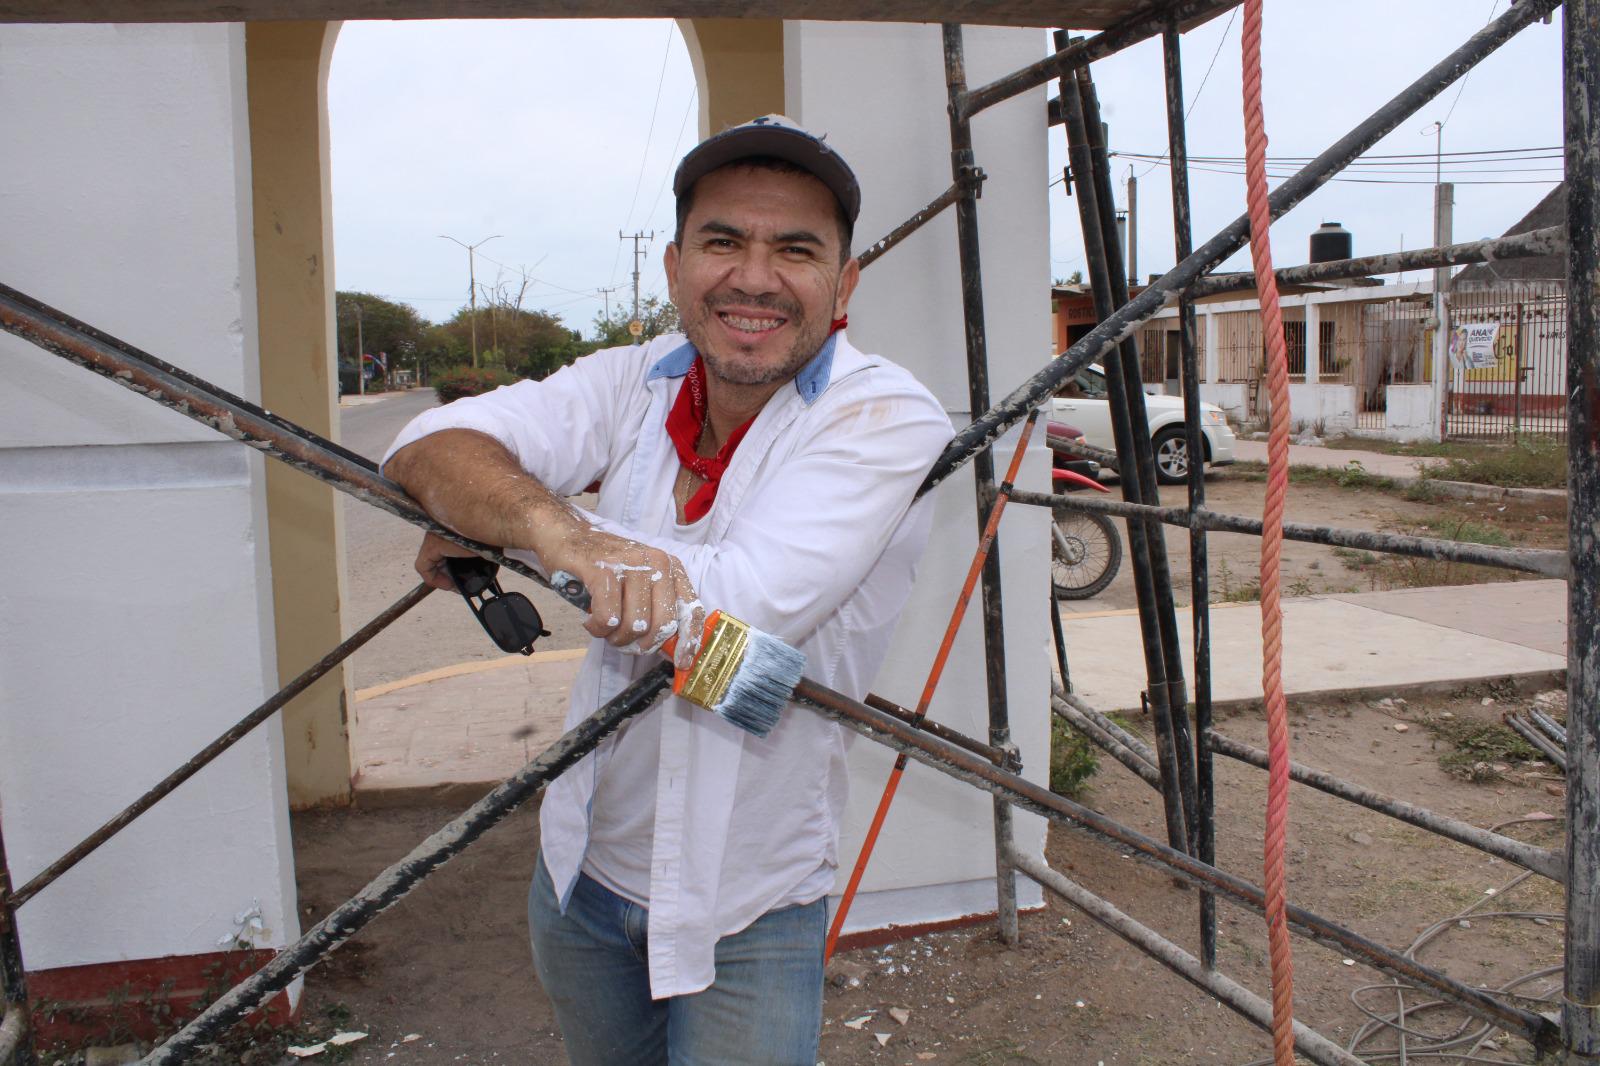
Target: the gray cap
(780, 138)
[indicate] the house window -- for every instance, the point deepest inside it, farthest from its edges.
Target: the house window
(1327, 354)
(1294, 338)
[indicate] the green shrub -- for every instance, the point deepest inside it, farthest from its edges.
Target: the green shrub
(462, 381)
(1073, 759)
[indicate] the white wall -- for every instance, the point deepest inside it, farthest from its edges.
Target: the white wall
(1230, 396)
(134, 603)
(1333, 407)
(878, 93)
(1408, 412)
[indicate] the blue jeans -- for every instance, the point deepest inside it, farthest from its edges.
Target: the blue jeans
(763, 1009)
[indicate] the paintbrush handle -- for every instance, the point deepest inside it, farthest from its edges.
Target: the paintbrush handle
(569, 588)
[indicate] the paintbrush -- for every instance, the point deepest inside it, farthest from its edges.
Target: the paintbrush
(741, 674)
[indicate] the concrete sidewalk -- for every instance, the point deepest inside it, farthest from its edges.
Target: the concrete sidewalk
(1402, 467)
(454, 733)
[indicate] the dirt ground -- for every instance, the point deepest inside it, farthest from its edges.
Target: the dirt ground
(451, 965)
(1310, 569)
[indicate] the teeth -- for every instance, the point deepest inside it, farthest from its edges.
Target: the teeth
(752, 325)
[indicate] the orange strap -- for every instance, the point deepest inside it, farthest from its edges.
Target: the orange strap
(978, 559)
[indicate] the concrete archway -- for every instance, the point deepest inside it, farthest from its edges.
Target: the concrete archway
(739, 71)
(287, 70)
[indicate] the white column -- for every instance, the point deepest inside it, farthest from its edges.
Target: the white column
(1313, 340)
(1212, 357)
(133, 553)
(877, 90)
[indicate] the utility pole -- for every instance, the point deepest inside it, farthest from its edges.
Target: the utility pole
(361, 355)
(636, 327)
(1443, 202)
(1133, 229)
(607, 294)
(472, 288)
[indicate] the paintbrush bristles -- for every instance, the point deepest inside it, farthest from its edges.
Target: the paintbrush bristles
(763, 684)
(742, 674)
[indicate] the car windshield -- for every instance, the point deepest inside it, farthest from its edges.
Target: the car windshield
(1092, 380)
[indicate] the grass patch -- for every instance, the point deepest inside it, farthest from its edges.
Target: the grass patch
(1353, 475)
(1476, 746)
(1467, 531)
(1528, 462)
(1230, 589)
(1404, 571)
(1357, 560)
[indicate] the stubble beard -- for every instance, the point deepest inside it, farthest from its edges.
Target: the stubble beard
(738, 367)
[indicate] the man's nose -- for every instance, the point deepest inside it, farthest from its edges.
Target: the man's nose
(755, 273)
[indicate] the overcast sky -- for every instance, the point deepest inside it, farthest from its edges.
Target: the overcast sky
(558, 135)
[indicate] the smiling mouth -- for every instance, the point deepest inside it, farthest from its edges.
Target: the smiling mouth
(745, 324)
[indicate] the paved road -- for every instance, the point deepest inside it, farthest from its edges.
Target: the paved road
(379, 550)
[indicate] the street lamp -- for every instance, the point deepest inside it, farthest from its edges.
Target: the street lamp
(472, 288)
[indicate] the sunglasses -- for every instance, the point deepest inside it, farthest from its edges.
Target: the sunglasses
(510, 618)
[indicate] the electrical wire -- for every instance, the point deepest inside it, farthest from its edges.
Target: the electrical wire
(1461, 88)
(651, 130)
(1463, 1044)
(1202, 86)
(667, 180)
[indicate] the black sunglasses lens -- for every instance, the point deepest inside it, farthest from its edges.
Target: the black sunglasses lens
(472, 575)
(513, 622)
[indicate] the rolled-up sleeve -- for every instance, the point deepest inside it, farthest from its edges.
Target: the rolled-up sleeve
(559, 430)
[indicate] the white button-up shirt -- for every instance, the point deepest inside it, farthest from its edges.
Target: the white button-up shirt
(814, 538)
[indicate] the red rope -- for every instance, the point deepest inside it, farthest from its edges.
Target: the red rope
(1255, 138)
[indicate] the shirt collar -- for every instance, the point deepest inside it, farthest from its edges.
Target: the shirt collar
(810, 382)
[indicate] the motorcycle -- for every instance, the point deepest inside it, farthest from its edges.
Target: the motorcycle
(1086, 551)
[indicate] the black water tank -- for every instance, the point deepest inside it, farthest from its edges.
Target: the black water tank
(1331, 241)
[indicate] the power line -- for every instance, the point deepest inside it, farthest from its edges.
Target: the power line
(693, 96)
(1463, 86)
(1196, 99)
(1379, 181)
(650, 132)
(1553, 151)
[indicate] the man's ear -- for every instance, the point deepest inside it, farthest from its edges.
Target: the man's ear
(669, 262)
(848, 277)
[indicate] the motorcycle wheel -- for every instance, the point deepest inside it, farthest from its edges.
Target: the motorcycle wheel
(1085, 556)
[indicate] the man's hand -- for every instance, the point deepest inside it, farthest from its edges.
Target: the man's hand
(430, 561)
(639, 596)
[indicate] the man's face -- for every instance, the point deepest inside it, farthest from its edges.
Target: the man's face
(758, 279)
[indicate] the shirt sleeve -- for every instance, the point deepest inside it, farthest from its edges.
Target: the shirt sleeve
(559, 429)
(816, 519)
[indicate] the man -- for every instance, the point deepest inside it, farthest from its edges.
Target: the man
(763, 467)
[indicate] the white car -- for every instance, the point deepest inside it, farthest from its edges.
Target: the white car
(1082, 403)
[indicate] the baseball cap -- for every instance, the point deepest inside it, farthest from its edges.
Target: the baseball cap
(779, 137)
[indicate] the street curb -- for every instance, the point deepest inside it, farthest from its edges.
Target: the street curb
(1532, 681)
(1469, 490)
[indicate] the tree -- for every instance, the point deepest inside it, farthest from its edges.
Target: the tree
(382, 326)
(532, 344)
(657, 315)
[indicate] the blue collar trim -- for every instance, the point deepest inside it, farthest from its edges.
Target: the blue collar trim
(810, 382)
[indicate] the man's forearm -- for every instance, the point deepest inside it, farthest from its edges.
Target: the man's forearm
(468, 481)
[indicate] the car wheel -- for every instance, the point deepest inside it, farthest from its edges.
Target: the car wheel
(1172, 456)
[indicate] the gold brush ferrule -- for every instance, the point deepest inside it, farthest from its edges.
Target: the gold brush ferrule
(721, 656)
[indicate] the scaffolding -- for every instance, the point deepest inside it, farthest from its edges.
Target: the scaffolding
(1180, 766)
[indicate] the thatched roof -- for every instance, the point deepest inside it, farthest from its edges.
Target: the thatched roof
(1551, 211)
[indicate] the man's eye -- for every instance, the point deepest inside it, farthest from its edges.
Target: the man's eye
(798, 250)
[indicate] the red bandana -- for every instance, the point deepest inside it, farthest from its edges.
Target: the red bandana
(687, 420)
(684, 424)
